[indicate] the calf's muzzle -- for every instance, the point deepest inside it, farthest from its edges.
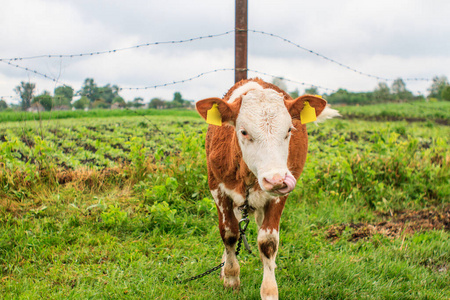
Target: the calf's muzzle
(279, 184)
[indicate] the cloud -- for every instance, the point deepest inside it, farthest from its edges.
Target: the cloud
(385, 38)
(48, 27)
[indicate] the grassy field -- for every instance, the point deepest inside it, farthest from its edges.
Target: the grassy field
(412, 111)
(438, 112)
(118, 208)
(19, 116)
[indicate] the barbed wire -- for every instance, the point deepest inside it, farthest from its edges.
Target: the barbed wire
(293, 81)
(125, 88)
(185, 80)
(332, 60)
(119, 49)
(214, 36)
(177, 82)
(226, 69)
(10, 62)
(29, 70)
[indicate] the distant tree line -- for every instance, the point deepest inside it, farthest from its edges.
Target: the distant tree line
(397, 92)
(177, 102)
(91, 96)
(439, 90)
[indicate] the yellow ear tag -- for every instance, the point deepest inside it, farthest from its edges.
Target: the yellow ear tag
(308, 113)
(213, 116)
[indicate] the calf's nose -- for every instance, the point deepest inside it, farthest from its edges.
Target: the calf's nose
(282, 184)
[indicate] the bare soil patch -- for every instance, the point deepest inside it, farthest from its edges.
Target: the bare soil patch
(400, 223)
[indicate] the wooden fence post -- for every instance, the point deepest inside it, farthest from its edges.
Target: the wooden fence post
(240, 44)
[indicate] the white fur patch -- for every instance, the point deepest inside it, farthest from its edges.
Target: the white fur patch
(327, 113)
(266, 121)
(215, 194)
(238, 199)
(244, 89)
(258, 199)
(264, 233)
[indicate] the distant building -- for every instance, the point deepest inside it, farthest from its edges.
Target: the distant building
(35, 107)
(116, 105)
(61, 107)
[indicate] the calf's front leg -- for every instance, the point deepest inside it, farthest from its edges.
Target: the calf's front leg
(268, 220)
(229, 231)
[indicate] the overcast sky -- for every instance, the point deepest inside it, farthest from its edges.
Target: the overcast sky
(390, 39)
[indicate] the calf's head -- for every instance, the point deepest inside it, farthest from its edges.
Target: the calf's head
(262, 119)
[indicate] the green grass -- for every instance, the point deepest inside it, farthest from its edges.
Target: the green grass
(61, 253)
(416, 111)
(125, 230)
(412, 111)
(96, 113)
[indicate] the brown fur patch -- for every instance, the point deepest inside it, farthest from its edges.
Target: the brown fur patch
(268, 247)
(230, 241)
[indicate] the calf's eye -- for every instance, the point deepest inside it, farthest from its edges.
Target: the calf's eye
(287, 135)
(244, 133)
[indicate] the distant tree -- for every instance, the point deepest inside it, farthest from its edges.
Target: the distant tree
(312, 91)
(100, 103)
(157, 103)
(280, 82)
(439, 83)
(45, 100)
(81, 103)
(25, 90)
(89, 90)
(294, 94)
(108, 93)
(398, 86)
(120, 101)
(3, 105)
(93, 92)
(381, 92)
(137, 102)
(445, 93)
(399, 90)
(344, 96)
(178, 98)
(63, 95)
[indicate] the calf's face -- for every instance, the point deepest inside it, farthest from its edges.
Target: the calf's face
(262, 119)
(263, 128)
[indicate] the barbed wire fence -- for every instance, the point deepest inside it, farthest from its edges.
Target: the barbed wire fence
(13, 62)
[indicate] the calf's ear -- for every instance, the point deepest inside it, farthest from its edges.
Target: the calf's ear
(228, 111)
(296, 106)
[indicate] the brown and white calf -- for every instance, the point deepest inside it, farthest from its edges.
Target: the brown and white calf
(256, 158)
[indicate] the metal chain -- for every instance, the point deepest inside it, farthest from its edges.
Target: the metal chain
(201, 275)
(243, 224)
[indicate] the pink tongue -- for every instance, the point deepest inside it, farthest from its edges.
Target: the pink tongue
(290, 184)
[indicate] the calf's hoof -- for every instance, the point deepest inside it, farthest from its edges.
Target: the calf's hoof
(232, 282)
(269, 292)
